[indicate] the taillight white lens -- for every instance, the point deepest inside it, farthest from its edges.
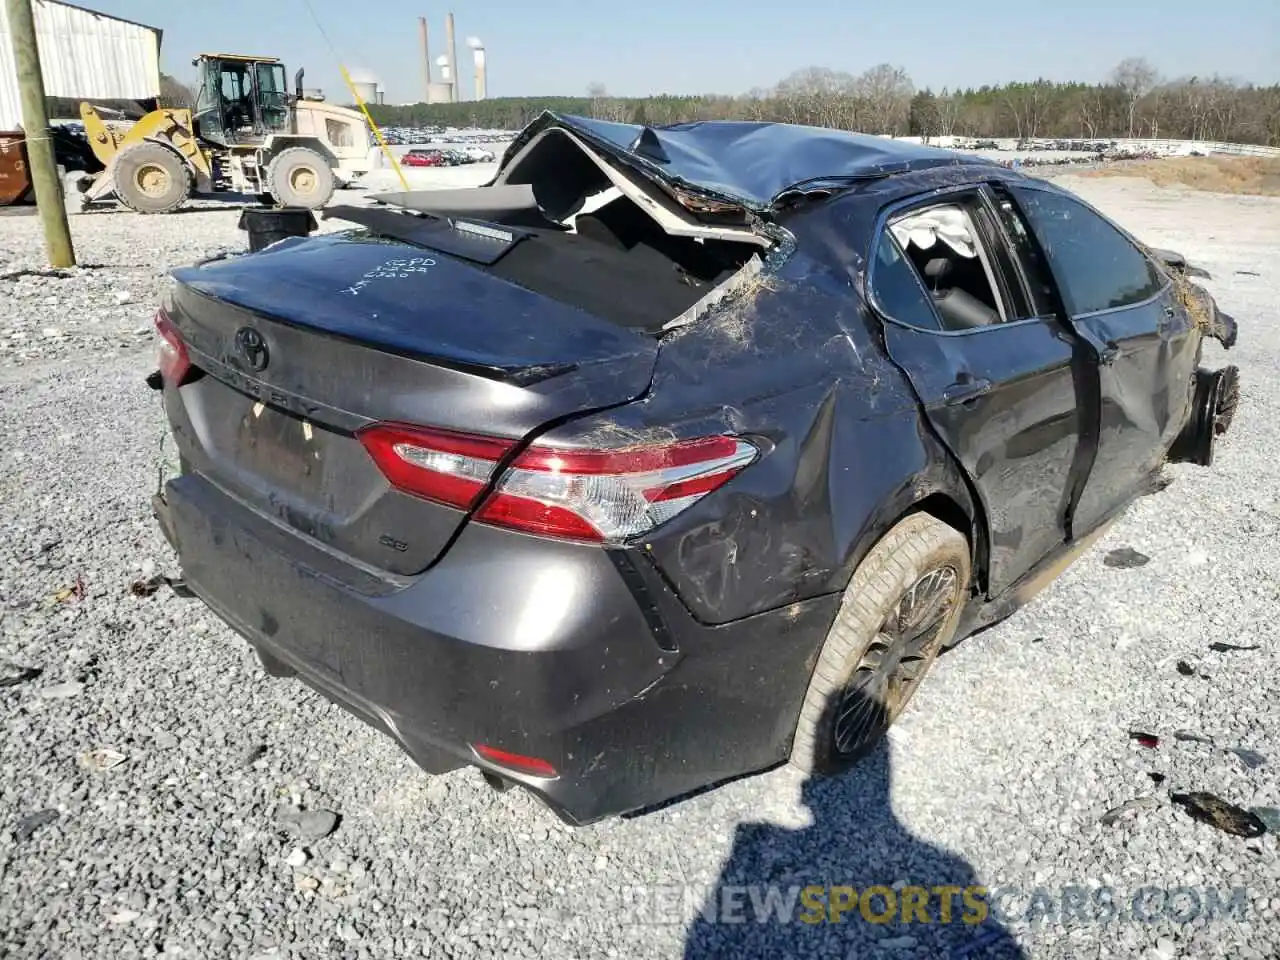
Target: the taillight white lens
(171, 355)
(611, 495)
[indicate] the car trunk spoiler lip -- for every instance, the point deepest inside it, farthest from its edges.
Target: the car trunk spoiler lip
(470, 239)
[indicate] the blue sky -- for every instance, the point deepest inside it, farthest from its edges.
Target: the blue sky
(725, 46)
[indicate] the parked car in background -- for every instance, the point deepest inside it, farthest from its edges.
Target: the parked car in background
(424, 158)
(445, 156)
(672, 453)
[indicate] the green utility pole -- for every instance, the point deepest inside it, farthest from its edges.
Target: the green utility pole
(35, 122)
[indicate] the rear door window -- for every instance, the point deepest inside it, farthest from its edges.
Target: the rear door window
(897, 291)
(1098, 268)
(954, 252)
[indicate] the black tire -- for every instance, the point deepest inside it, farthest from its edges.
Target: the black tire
(853, 697)
(300, 177)
(151, 178)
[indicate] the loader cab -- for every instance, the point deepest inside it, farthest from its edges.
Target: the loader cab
(241, 100)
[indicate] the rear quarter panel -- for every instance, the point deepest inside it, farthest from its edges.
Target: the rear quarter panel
(796, 366)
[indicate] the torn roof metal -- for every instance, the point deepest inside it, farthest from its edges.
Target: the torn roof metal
(747, 163)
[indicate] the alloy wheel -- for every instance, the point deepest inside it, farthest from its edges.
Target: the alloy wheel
(895, 661)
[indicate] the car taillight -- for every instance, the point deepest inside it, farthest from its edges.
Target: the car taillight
(517, 762)
(439, 465)
(611, 495)
(602, 496)
(174, 361)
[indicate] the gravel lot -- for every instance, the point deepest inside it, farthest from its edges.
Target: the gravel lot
(998, 775)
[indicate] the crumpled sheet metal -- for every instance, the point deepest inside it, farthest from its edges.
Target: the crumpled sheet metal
(748, 163)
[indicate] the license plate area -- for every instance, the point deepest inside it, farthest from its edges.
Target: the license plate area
(281, 448)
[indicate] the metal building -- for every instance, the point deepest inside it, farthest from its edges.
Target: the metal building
(86, 55)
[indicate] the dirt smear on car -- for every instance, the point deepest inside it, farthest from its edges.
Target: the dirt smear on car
(735, 316)
(613, 435)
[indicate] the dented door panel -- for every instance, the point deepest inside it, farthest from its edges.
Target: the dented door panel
(1143, 345)
(1146, 358)
(1003, 399)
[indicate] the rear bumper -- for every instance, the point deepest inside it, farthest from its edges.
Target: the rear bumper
(569, 653)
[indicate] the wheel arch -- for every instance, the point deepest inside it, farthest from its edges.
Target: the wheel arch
(940, 490)
(958, 509)
(943, 491)
(282, 142)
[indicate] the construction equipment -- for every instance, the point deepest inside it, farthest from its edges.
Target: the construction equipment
(247, 134)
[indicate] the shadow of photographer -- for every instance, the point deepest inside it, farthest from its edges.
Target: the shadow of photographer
(855, 882)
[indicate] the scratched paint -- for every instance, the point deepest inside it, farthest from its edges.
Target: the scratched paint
(397, 268)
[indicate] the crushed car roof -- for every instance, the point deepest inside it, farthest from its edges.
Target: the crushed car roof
(745, 162)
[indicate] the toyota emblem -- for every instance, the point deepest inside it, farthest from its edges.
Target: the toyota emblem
(252, 348)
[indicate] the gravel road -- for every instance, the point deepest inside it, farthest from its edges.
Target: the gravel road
(153, 775)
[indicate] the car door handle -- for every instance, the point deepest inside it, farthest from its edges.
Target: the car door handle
(966, 390)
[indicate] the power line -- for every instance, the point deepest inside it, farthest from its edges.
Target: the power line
(386, 150)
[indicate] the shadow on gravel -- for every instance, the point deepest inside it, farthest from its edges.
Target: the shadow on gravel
(781, 890)
(123, 211)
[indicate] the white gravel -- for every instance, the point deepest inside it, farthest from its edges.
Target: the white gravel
(196, 845)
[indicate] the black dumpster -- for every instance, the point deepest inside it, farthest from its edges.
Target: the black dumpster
(266, 225)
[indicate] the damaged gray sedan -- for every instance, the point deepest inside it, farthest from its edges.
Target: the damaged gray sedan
(672, 453)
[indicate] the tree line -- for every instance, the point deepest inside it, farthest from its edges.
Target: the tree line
(1133, 101)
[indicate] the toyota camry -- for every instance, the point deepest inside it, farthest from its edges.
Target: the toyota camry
(670, 453)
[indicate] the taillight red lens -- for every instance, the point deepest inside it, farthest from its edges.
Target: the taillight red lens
(172, 356)
(440, 465)
(516, 762)
(611, 495)
(601, 496)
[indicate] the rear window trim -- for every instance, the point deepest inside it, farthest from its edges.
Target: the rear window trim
(475, 233)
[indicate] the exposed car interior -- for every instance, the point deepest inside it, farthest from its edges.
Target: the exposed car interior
(601, 240)
(947, 252)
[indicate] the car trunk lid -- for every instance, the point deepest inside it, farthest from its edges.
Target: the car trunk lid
(304, 344)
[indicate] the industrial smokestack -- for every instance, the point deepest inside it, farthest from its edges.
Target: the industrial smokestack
(446, 83)
(426, 60)
(477, 52)
(453, 54)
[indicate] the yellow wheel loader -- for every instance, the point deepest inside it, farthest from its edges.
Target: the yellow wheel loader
(247, 135)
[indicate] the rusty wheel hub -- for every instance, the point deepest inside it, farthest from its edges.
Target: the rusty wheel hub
(152, 179)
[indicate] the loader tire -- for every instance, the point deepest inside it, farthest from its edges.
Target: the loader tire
(300, 177)
(151, 178)
(901, 608)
